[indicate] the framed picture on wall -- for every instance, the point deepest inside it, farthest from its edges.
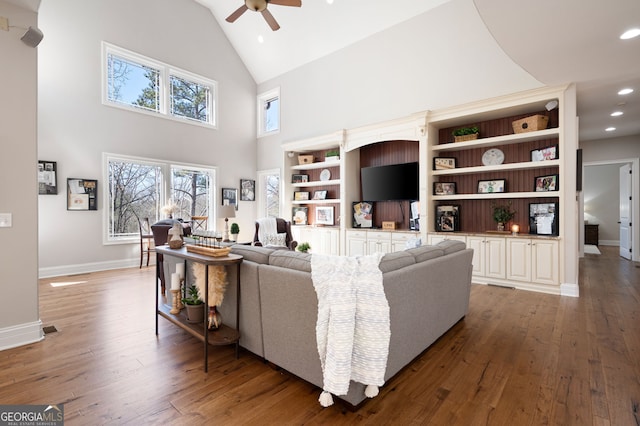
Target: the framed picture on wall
(444, 188)
(47, 177)
(230, 197)
(444, 163)
(546, 183)
(491, 186)
(545, 154)
(82, 194)
(247, 190)
(301, 195)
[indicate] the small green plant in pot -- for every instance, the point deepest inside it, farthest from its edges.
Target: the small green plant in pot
(194, 304)
(502, 214)
(235, 230)
(332, 155)
(304, 247)
(465, 133)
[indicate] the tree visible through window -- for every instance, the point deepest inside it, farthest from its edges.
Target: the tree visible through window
(136, 190)
(136, 82)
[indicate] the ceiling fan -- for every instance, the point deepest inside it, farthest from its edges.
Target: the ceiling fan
(261, 6)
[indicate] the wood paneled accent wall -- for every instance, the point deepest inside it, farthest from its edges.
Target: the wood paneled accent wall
(384, 154)
(476, 215)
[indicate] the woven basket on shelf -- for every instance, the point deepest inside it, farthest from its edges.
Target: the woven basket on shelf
(465, 137)
(530, 124)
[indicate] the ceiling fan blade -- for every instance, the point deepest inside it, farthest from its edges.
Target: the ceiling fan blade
(270, 20)
(235, 15)
(294, 3)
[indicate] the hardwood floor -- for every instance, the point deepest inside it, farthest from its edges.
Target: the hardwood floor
(518, 358)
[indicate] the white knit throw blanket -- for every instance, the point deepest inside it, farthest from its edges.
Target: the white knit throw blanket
(353, 327)
(266, 226)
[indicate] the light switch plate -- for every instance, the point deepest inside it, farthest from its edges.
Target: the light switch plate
(5, 220)
(4, 23)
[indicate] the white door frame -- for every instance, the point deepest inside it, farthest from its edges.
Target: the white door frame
(635, 221)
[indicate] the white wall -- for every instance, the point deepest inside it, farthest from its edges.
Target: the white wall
(75, 128)
(602, 200)
(428, 62)
(19, 317)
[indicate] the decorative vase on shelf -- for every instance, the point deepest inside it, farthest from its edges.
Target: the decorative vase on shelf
(214, 320)
(500, 226)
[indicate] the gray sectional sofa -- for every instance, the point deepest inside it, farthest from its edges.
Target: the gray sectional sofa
(427, 289)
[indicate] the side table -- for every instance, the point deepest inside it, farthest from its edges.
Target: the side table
(224, 335)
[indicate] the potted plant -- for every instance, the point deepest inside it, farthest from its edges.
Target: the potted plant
(332, 155)
(465, 133)
(502, 214)
(304, 247)
(235, 230)
(195, 305)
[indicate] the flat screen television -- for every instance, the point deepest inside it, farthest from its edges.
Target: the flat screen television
(390, 183)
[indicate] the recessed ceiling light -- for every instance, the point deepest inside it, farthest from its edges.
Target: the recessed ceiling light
(330, 1)
(260, 39)
(609, 129)
(625, 91)
(633, 32)
(616, 113)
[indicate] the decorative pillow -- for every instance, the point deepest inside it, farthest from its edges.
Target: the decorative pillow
(277, 240)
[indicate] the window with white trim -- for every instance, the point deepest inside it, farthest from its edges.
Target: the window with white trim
(140, 187)
(269, 113)
(269, 193)
(138, 83)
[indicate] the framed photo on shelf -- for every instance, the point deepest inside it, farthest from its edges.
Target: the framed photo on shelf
(301, 195)
(324, 215)
(363, 214)
(47, 181)
(444, 188)
(299, 178)
(320, 195)
(300, 215)
(545, 154)
(546, 183)
(448, 218)
(444, 163)
(230, 197)
(543, 219)
(491, 186)
(82, 194)
(247, 190)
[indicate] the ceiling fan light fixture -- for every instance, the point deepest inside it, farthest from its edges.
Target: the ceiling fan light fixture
(257, 5)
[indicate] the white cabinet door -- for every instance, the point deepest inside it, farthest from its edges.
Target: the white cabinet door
(378, 242)
(327, 241)
(478, 246)
(544, 258)
(356, 243)
(399, 240)
(495, 253)
(519, 259)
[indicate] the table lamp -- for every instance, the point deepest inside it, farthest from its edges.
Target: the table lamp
(225, 212)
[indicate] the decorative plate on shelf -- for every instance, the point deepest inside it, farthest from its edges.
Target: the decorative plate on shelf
(492, 157)
(325, 174)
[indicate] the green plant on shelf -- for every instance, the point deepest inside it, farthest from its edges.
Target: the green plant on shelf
(193, 297)
(465, 131)
(502, 213)
(304, 247)
(235, 229)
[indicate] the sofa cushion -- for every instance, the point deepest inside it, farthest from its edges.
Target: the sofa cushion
(253, 253)
(291, 259)
(424, 253)
(397, 260)
(451, 246)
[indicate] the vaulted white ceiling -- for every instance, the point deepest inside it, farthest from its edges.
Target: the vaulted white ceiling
(556, 42)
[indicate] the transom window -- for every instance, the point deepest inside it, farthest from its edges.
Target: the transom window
(269, 112)
(142, 84)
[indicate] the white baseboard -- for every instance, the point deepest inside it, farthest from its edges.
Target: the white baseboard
(21, 334)
(609, 242)
(569, 289)
(57, 271)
